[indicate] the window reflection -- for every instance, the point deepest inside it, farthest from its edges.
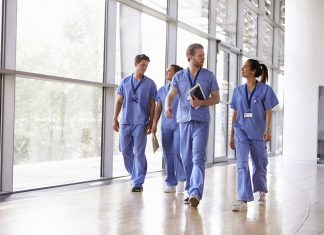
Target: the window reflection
(139, 33)
(268, 8)
(194, 12)
(250, 32)
(159, 5)
(186, 38)
(267, 42)
(57, 133)
(226, 11)
(62, 38)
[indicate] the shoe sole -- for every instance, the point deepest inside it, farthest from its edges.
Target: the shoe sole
(137, 190)
(193, 201)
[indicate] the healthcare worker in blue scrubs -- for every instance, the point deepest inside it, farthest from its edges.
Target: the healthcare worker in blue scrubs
(193, 118)
(251, 129)
(135, 95)
(175, 179)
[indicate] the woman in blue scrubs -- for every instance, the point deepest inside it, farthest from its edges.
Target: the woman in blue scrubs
(135, 95)
(175, 180)
(251, 129)
(193, 118)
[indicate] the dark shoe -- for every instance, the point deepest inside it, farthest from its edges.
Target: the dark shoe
(137, 189)
(186, 200)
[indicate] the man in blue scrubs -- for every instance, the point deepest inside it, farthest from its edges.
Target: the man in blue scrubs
(251, 129)
(175, 180)
(193, 118)
(135, 95)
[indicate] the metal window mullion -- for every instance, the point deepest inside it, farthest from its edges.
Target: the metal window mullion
(108, 92)
(171, 34)
(260, 26)
(9, 37)
(212, 66)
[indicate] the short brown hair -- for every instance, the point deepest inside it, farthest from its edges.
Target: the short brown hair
(141, 57)
(191, 50)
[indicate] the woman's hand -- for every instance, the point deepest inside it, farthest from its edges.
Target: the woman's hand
(232, 143)
(267, 136)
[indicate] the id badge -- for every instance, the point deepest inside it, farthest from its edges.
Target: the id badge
(248, 115)
(134, 99)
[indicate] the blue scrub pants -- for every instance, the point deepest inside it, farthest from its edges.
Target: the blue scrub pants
(258, 151)
(132, 142)
(172, 159)
(193, 143)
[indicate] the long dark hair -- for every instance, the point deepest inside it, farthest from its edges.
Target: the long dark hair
(260, 69)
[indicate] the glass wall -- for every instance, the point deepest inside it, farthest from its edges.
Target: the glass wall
(268, 8)
(194, 13)
(267, 42)
(186, 38)
(55, 129)
(226, 21)
(58, 120)
(159, 5)
(139, 33)
(250, 31)
(62, 38)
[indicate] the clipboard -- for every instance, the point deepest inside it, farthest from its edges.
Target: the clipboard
(155, 143)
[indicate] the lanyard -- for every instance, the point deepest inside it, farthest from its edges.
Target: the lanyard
(190, 80)
(248, 100)
(133, 87)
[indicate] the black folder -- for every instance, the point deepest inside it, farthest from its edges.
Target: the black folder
(197, 91)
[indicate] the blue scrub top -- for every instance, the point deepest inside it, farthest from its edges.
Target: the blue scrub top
(136, 107)
(167, 123)
(181, 82)
(262, 100)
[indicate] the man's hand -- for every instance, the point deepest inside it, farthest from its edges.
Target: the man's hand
(195, 102)
(115, 125)
(168, 113)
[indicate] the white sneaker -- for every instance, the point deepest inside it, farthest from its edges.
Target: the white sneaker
(239, 206)
(262, 199)
(170, 189)
(181, 186)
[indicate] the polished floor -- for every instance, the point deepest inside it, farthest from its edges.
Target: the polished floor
(295, 205)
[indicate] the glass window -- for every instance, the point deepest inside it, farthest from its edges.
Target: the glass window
(139, 33)
(250, 32)
(268, 8)
(255, 2)
(281, 49)
(267, 42)
(57, 135)
(226, 11)
(62, 38)
(186, 38)
(221, 109)
(282, 13)
(280, 112)
(159, 5)
(194, 13)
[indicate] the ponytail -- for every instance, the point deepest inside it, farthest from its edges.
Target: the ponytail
(264, 73)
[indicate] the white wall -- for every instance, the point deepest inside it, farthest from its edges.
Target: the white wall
(304, 66)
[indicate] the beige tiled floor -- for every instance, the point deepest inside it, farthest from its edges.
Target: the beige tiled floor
(295, 205)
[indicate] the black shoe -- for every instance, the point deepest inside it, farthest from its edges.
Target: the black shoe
(186, 200)
(137, 189)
